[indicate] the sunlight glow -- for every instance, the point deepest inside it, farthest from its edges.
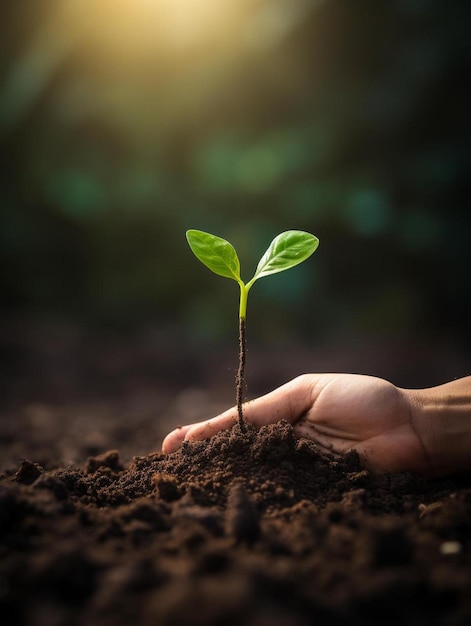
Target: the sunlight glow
(125, 32)
(174, 25)
(114, 48)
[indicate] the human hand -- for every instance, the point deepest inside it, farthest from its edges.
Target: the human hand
(340, 412)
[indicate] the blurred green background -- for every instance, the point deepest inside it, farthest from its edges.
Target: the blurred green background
(125, 122)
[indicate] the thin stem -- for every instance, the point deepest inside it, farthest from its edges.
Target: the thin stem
(244, 292)
(240, 378)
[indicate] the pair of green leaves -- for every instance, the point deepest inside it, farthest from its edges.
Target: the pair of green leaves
(285, 251)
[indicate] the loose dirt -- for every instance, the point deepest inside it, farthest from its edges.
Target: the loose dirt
(259, 529)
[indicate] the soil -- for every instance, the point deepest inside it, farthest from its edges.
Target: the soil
(255, 528)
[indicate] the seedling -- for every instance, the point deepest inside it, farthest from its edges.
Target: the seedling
(285, 251)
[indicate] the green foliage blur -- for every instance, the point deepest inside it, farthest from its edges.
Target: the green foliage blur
(123, 123)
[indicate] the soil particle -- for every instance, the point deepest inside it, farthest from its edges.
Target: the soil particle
(108, 460)
(242, 516)
(28, 472)
(167, 487)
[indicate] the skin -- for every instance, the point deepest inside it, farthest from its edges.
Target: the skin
(425, 431)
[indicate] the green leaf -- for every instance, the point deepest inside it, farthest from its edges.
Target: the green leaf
(216, 253)
(285, 251)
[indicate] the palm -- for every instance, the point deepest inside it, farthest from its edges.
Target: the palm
(364, 413)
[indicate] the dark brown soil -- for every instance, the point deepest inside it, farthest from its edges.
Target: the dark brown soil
(258, 529)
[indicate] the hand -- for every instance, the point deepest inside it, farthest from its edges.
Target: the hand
(340, 412)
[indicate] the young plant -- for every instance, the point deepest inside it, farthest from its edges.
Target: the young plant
(285, 251)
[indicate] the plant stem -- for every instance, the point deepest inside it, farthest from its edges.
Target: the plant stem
(240, 378)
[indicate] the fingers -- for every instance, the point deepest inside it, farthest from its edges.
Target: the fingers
(287, 402)
(200, 430)
(204, 430)
(174, 439)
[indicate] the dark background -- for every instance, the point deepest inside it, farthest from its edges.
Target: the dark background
(124, 123)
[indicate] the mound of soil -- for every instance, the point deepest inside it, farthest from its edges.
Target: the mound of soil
(258, 528)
